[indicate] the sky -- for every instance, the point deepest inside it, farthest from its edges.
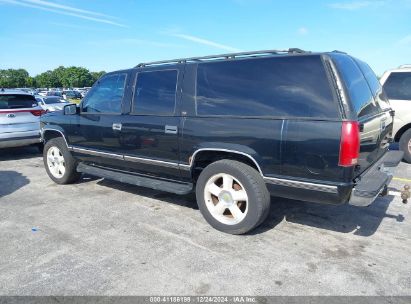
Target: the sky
(40, 35)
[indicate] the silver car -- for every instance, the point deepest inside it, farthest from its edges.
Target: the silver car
(19, 119)
(51, 103)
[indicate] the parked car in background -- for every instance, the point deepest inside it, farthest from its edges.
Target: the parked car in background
(54, 93)
(82, 92)
(51, 103)
(234, 128)
(397, 86)
(19, 119)
(72, 96)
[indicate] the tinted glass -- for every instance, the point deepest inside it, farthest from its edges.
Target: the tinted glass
(16, 101)
(375, 86)
(155, 92)
(360, 94)
(398, 86)
(51, 100)
(294, 86)
(106, 95)
(370, 76)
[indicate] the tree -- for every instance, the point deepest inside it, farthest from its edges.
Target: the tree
(60, 77)
(13, 78)
(47, 80)
(96, 76)
(76, 77)
(31, 82)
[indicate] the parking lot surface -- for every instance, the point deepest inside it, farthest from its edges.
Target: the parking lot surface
(100, 237)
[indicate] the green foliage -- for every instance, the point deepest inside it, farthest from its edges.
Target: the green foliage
(59, 77)
(96, 75)
(13, 78)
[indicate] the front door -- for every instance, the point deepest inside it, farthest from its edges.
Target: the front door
(150, 133)
(95, 133)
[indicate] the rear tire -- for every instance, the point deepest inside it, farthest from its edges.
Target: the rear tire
(59, 163)
(232, 196)
(405, 145)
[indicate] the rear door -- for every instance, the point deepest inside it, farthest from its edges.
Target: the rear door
(18, 114)
(150, 133)
(368, 103)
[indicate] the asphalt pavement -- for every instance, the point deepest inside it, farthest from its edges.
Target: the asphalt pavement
(100, 237)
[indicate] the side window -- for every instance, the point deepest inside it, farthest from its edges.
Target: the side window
(106, 95)
(398, 86)
(360, 94)
(375, 86)
(155, 92)
(292, 86)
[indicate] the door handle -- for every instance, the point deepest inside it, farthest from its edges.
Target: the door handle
(117, 126)
(170, 129)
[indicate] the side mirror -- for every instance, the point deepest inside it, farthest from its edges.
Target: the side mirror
(70, 109)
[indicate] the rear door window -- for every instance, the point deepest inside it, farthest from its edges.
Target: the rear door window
(291, 86)
(359, 91)
(155, 92)
(398, 86)
(17, 101)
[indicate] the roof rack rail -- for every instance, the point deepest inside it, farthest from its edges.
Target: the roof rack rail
(340, 52)
(223, 56)
(404, 66)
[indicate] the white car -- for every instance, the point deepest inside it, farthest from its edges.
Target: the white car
(19, 119)
(397, 86)
(51, 103)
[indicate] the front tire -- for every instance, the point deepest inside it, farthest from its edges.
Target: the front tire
(59, 163)
(405, 145)
(232, 196)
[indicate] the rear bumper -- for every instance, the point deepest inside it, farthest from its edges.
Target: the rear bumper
(373, 181)
(19, 141)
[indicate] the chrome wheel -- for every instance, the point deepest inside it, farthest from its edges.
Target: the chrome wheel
(56, 162)
(226, 199)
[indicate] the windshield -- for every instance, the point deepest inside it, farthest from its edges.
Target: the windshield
(17, 101)
(51, 100)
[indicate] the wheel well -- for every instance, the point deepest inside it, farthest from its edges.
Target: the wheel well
(50, 134)
(204, 158)
(401, 131)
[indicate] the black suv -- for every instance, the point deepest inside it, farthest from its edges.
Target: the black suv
(237, 128)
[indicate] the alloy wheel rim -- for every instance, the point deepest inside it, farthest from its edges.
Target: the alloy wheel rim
(56, 162)
(226, 199)
(409, 146)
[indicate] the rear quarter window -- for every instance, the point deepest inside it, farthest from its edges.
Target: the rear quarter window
(398, 86)
(361, 97)
(291, 86)
(374, 84)
(17, 101)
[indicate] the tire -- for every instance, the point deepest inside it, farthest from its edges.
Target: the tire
(59, 163)
(405, 145)
(232, 206)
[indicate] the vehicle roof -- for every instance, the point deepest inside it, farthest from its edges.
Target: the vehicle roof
(401, 68)
(232, 56)
(13, 91)
(222, 57)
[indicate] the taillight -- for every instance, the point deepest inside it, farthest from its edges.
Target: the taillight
(349, 144)
(37, 112)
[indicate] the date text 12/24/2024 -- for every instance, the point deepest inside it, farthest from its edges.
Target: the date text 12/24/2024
(202, 299)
